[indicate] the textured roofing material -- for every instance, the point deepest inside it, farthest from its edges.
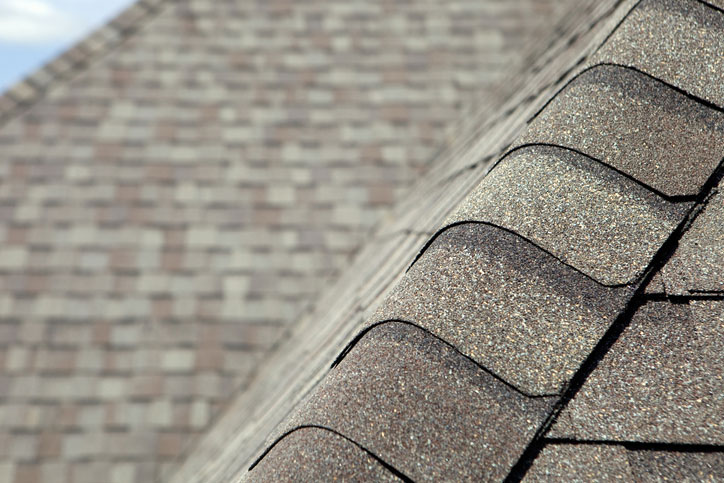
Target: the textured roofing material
(697, 265)
(462, 289)
(646, 401)
(315, 454)
(637, 125)
(661, 381)
(677, 41)
(398, 393)
(584, 463)
(586, 214)
(301, 360)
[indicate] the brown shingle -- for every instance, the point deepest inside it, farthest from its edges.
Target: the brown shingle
(584, 213)
(637, 125)
(660, 382)
(314, 454)
(398, 393)
(697, 265)
(462, 290)
(678, 42)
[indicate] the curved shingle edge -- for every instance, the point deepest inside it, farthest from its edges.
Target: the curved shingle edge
(382, 462)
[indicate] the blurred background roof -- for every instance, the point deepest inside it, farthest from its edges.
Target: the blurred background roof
(34, 31)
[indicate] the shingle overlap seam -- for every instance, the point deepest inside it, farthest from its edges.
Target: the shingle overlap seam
(382, 462)
(642, 445)
(681, 91)
(447, 227)
(364, 331)
(673, 199)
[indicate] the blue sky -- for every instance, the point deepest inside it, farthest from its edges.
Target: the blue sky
(32, 32)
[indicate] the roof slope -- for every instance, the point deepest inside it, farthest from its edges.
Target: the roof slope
(179, 187)
(536, 335)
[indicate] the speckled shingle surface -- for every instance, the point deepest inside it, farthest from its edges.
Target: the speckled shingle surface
(314, 454)
(697, 265)
(586, 214)
(677, 41)
(636, 124)
(662, 381)
(399, 392)
(464, 285)
(589, 462)
(580, 464)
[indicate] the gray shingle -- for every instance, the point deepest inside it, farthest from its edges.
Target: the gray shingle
(697, 265)
(505, 303)
(580, 463)
(314, 454)
(676, 466)
(661, 381)
(678, 41)
(399, 394)
(586, 462)
(636, 124)
(586, 214)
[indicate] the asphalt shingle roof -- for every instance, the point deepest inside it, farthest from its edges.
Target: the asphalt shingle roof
(661, 381)
(676, 41)
(582, 212)
(315, 454)
(583, 463)
(463, 286)
(397, 394)
(622, 117)
(559, 241)
(697, 265)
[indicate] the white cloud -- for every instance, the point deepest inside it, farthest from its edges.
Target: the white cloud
(36, 22)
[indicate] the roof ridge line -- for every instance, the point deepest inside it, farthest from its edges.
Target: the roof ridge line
(76, 58)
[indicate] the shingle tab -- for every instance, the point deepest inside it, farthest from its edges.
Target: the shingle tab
(637, 125)
(580, 463)
(697, 266)
(399, 394)
(315, 454)
(587, 462)
(507, 304)
(586, 214)
(676, 465)
(678, 41)
(661, 381)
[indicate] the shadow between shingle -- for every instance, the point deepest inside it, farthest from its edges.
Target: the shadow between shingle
(660, 382)
(315, 454)
(398, 393)
(678, 41)
(593, 462)
(505, 303)
(584, 213)
(637, 125)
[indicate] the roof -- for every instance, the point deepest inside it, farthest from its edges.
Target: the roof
(567, 320)
(179, 187)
